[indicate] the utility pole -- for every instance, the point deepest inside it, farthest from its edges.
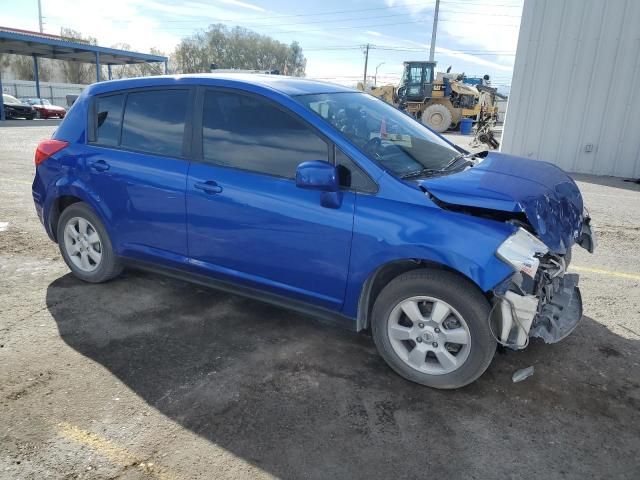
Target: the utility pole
(40, 15)
(432, 51)
(366, 61)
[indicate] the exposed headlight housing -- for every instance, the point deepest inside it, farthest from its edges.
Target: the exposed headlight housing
(521, 250)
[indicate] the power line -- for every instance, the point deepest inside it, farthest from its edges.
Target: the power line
(341, 20)
(370, 26)
(335, 12)
(390, 24)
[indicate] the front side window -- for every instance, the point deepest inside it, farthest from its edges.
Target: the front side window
(351, 176)
(251, 133)
(108, 117)
(387, 136)
(154, 121)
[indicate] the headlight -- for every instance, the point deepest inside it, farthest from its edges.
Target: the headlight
(520, 251)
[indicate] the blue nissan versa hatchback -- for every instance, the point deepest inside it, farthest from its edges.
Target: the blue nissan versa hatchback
(323, 199)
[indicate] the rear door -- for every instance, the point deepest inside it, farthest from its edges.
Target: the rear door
(137, 164)
(247, 220)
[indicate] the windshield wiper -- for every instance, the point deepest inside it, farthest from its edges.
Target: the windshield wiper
(420, 173)
(454, 160)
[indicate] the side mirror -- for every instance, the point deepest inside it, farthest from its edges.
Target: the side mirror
(317, 175)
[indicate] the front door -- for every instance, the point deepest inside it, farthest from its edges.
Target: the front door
(247, 220)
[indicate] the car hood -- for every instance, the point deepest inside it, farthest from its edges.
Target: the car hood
(546, 195)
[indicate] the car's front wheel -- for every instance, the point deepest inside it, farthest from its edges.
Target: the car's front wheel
(432, 327)
(85, 245)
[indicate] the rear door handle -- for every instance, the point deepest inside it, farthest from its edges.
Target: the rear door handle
(209, 187)
(100, 166)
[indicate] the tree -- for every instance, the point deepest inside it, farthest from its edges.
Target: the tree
(78, 72)
(137, 69)
(237, 48)
(22, 65)
(155, 68)
(296, 63)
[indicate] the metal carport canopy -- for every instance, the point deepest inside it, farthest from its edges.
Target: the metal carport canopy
(37, 45)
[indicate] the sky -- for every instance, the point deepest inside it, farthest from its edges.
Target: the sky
(474, 36)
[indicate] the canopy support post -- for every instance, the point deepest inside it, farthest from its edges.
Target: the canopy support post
(36, 75)
(1, 103)
(97, 66)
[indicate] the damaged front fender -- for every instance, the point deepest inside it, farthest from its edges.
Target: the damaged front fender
(536, 192)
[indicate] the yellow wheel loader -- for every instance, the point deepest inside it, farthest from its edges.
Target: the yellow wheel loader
(441, 101)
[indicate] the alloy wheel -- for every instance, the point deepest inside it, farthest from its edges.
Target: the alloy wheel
(429, 335)
(82, 244)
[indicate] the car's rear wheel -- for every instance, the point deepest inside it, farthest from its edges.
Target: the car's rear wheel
(38, 114)
(432, 327)
(86, 246)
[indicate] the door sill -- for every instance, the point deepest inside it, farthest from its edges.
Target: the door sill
(322, 314)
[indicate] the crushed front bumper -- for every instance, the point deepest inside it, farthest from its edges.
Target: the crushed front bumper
(560, 315)
(587, 238)
(551, 317)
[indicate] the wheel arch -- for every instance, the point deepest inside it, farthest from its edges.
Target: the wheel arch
(68, 194)
(58, 205)
(382, 275)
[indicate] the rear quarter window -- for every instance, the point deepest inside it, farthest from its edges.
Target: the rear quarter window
(108, 117)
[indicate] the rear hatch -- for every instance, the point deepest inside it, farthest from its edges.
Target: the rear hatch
(542, 192)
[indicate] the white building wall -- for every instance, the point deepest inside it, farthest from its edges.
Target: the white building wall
(575, 94)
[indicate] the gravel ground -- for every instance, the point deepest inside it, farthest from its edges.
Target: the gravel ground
(147, 377)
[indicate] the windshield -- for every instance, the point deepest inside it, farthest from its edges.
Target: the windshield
(10, 100)
(386, 135)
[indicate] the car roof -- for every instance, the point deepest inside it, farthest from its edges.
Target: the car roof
(279, 83)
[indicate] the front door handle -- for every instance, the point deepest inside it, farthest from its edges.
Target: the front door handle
(100, 166)
(209, 187)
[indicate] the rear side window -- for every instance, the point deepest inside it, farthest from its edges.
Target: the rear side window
(108, 117)
(251, 133)
(154, 121)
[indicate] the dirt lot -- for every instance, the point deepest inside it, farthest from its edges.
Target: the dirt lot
(146, 377)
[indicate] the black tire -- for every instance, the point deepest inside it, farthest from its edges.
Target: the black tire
(437, 117)
(109, 266)
(38, 114)
(460, 294)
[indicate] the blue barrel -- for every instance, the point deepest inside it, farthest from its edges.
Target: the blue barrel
(466, 126)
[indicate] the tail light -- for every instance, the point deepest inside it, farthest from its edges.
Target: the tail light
(46, 148)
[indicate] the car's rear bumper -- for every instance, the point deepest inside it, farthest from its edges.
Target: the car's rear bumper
(39, 201)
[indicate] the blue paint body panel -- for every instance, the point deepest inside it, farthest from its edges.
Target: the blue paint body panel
(265, 232)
